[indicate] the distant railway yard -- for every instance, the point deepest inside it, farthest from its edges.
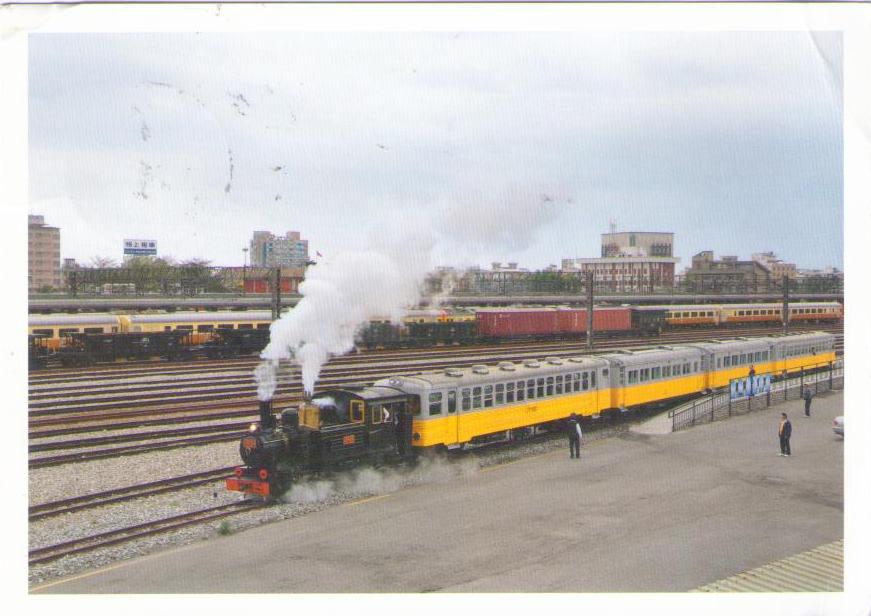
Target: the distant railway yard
(151, 443)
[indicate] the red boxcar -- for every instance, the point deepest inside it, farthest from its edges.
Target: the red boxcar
(574, 320)
(511, 323)
(264, 285)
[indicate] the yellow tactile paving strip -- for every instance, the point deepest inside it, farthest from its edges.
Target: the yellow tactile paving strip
(817, 570)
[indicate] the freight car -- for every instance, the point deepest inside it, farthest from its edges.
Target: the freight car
(494, 324)
(403, 415)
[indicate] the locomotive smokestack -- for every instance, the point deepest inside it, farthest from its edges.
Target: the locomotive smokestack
(266, 418)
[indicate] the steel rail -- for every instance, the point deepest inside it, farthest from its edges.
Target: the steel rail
(117, 495)
(147, 529)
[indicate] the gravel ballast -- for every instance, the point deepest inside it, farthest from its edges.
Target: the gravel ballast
(309, 496)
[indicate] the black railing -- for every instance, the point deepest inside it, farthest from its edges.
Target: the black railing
(720, 405)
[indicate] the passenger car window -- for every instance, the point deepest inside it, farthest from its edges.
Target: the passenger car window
(476, 397)
(488, 395)
(520, 391)
(435, 403)
(509, 392)
(452, 401)
(549, 391)
(500, 394)
(466, 400)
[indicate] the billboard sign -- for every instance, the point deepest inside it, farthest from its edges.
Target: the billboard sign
(750, 386)
(140, 248)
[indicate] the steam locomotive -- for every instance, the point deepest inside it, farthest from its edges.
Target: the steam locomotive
(338, 428)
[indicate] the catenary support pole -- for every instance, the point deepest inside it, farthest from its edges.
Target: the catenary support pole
(785, 315)
(276, 295)
(589, 311)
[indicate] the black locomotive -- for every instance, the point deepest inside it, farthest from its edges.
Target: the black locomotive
(340, 427)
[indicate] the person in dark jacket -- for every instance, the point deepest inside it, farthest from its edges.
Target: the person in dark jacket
(784, 432)
(808, 395)
(751, 385)
(574, 428)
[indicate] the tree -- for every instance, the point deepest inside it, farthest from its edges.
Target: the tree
(103, 262)
(196, 262)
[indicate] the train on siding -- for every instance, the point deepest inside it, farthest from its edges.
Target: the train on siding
(83, 339)
(397, 418)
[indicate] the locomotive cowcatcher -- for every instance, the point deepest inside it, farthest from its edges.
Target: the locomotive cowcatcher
(338, 428)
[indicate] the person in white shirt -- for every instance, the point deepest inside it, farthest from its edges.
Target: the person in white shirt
(575, 435)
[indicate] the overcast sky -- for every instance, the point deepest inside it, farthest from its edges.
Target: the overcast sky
(733, 141)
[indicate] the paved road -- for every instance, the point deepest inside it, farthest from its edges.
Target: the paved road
(636, 513)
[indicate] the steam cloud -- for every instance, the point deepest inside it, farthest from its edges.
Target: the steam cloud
(343, 293)
(369, 481)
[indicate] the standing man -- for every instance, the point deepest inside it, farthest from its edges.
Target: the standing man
(574, 436)
(808, 396)
(784, 432)
(751, 384)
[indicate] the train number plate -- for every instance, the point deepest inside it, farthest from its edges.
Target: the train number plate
(349, 439)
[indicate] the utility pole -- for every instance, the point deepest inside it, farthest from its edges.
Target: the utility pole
(244, 269)
(590, 311)
(276, 295)
(785, 303)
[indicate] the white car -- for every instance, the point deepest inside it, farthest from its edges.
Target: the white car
(838, 425)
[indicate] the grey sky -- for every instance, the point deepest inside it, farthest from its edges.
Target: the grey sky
(731, 140)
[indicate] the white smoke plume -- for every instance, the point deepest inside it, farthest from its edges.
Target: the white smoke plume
(373, 482)
(341, 294)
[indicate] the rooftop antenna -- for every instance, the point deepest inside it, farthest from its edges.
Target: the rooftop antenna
(612, 226)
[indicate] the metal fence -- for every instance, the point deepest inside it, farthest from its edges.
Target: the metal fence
(720, 405)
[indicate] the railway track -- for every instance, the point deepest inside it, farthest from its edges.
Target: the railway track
(138, 531)
(241, 375)
(126, 493)
(215, 366)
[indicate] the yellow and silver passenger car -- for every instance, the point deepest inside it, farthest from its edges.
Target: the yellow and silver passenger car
(54, 329)
(453, 407)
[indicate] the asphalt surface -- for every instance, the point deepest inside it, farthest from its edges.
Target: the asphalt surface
(637, 512)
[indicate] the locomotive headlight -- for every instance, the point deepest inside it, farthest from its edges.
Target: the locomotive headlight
(252, 428)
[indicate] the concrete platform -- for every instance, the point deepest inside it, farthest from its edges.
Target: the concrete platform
(637, 512)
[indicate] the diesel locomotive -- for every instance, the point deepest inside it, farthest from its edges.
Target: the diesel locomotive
(398, 417)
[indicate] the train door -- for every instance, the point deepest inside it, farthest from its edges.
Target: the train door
(708, 368)
(598, 382)
(618, 386)
(381, 428)
(453, 434)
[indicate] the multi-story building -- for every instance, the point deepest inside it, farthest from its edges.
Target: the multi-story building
(728, 275)
(626, 274)
(631, 262)
(268, 250)
(43, 254)
(777, 267)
